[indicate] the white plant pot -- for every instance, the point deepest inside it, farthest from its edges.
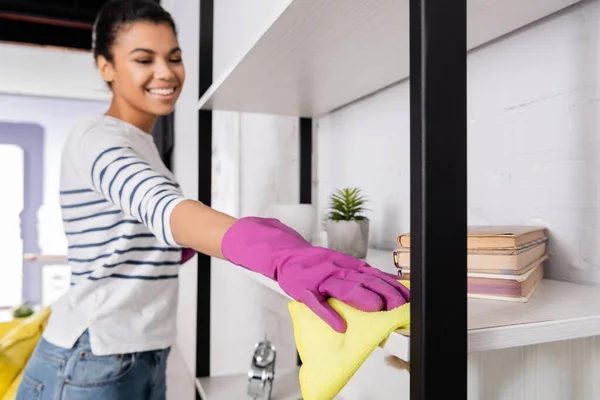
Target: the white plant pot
(349, 237)
(300, 217)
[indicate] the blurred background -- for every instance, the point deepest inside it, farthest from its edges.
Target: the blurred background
(47, 82)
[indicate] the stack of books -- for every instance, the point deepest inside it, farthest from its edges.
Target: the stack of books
(503, 262)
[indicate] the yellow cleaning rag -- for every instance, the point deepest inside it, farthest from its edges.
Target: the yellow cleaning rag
(330, 359)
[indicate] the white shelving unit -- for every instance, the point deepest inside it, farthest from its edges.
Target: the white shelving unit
(317, 56)
(47, 259)
(286, 386)
(314, 57)
(556, 311)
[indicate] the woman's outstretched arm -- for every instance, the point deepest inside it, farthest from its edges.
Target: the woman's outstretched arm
(199, 227)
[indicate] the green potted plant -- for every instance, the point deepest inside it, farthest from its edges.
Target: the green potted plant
(23, 311)
(347, 225)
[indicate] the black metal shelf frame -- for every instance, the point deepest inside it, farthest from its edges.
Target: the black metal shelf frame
(205, 65)
(438, 193)
(438, 198)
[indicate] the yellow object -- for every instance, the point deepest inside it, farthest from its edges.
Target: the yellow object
(16, 346)
(11, 393)
(330, 359)
(6, 327)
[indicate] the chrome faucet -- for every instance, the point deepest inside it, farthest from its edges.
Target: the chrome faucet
(262, 370)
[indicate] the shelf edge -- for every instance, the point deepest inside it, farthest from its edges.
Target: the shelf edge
(276, 13)
(509, 336)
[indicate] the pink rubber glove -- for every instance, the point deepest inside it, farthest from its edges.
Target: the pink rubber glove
(186, 254)
(310, 274)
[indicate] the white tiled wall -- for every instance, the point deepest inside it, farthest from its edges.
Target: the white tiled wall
(255, 164)
(533, 142)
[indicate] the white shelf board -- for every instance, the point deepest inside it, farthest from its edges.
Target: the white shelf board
(286, 386)
(556, 311)
(315, 56)
(47, 258)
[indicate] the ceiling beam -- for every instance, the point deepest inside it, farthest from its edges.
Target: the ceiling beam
(47, 10)
(46, 21)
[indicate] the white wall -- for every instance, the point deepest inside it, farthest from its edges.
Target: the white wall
(260, 169)
(247, 177)
(533, 142)
(533, 145)
(185, 166)
(49, 72)
(533, 158)
(12, 180)
(256, 165)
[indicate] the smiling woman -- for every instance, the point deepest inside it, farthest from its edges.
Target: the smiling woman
(129, 228)
(144, 67)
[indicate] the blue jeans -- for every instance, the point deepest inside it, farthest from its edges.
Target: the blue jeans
(55, 373)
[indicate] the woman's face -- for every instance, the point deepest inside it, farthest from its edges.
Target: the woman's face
(147, 71)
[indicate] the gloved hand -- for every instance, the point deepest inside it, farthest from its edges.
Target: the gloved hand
(310, 274)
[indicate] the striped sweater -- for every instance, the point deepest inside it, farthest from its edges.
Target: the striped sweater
(116, 197)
